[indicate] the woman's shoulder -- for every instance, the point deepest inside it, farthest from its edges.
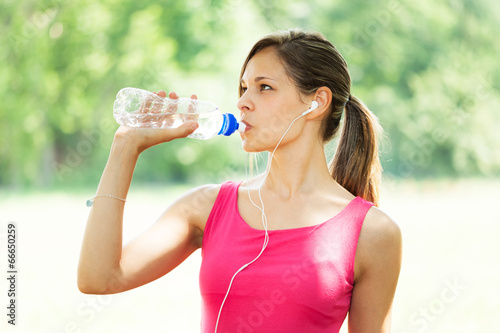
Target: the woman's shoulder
(199, 201)
(379, 227)
(202, 196)
(380, 240)
(194, 207)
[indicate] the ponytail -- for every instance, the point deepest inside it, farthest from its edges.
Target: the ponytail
(356, 165)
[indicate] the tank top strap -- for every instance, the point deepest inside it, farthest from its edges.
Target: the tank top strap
(355, 215)
(359, 208)
(222, 208)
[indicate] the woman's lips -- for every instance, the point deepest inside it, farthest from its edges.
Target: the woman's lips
(248, 126)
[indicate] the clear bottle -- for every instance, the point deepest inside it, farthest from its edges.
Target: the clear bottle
(135, 107)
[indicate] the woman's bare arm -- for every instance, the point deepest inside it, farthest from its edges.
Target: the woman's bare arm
(105, 265)
(377, 266)
(102, 242)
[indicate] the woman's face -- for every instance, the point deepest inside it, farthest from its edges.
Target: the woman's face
(270, 102)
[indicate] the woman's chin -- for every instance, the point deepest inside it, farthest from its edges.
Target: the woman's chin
(248, 147)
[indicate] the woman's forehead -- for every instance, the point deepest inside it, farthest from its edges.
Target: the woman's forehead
(264, 64)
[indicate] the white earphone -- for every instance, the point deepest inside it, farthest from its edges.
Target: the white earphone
(314, 105)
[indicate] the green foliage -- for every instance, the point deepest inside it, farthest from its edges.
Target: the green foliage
(427, 69)
(62, 64)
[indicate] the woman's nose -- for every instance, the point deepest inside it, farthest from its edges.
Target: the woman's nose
(244, 103)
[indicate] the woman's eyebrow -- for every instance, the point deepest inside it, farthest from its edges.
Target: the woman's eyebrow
(259, 78)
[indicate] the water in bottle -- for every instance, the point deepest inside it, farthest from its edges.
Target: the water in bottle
(140, 108)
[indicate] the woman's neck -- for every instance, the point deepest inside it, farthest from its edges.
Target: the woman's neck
(297, 168)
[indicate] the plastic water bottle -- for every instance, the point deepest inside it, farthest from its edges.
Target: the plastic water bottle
(141, 108)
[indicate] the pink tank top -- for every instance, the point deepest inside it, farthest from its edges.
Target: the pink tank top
(302, 282)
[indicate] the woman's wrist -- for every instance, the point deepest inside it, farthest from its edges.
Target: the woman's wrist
(125, 145)
(119, 169)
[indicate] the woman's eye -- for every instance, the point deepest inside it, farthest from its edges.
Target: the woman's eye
(265, 87)
(243, 89)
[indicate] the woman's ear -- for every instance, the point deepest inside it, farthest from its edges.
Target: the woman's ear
(323, 96)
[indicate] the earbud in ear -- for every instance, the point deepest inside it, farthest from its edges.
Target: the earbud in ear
(314, 105)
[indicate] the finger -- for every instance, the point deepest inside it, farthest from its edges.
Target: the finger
(172, 103)
(192, 105)
(161, 106)
(146, 104)
(192, 109)
(158, 102)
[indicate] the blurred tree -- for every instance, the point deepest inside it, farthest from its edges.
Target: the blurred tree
(427, 69)
(62, 63)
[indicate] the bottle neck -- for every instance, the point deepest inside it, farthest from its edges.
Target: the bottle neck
(229, 125)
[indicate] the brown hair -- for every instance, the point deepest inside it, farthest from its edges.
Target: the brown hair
(311, 62)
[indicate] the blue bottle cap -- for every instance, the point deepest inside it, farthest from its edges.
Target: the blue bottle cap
(229, 124)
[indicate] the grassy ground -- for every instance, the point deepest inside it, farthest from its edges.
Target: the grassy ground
(448, 281)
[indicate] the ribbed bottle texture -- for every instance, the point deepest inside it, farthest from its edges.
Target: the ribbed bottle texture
(140, 108)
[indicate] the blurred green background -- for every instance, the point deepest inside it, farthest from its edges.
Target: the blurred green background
(428, 69)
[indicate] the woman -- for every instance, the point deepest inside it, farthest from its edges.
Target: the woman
(292, 250)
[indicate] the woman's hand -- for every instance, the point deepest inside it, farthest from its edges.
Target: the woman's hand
(142, 138)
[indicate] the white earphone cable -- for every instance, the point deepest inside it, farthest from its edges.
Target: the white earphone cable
(264, 218)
